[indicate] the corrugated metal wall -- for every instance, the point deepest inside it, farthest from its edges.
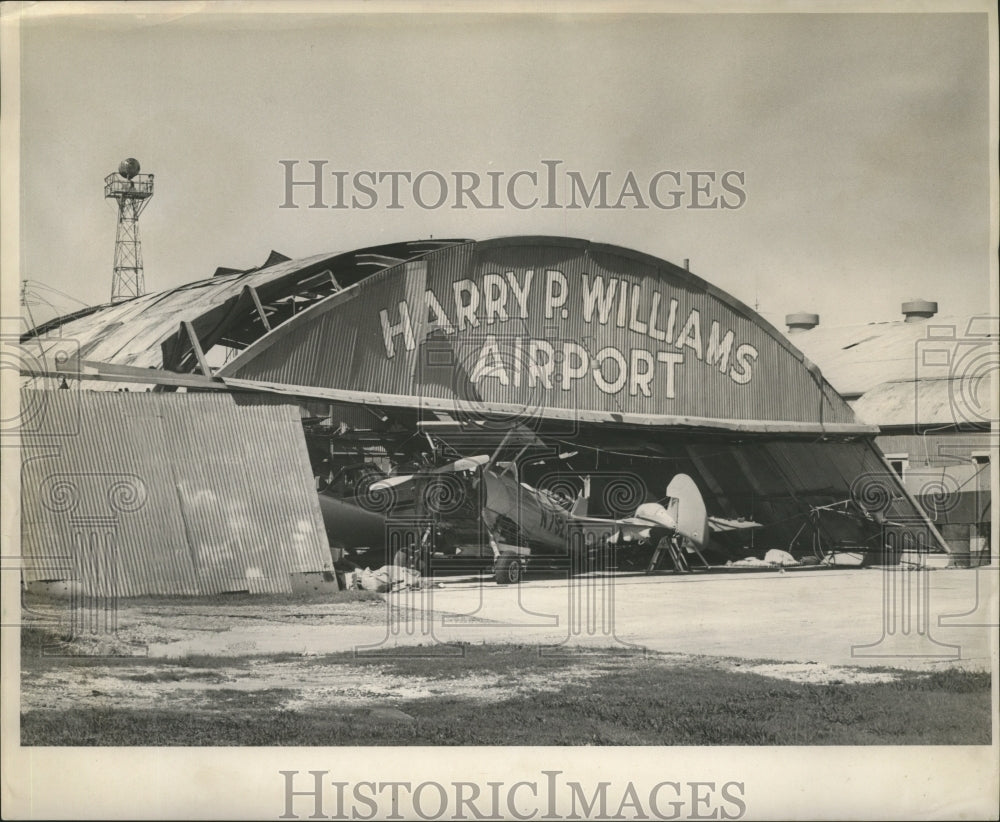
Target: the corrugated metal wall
(200, 494)
(341, 343)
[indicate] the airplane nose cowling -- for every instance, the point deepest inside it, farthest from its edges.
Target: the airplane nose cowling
(656, 513)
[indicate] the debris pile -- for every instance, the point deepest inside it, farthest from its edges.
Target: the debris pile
(385, 579)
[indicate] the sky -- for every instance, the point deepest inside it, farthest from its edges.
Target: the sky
(863, 140)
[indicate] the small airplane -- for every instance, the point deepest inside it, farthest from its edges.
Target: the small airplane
(681, 528)
(522, 523)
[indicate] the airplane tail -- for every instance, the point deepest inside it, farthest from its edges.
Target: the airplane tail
(687, 507)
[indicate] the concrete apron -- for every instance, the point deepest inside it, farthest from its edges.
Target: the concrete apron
(872, 617)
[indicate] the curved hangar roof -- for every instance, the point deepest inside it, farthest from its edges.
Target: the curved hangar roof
(545, 327)
(551, 328)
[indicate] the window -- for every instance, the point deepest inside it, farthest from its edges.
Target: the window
(898, 462)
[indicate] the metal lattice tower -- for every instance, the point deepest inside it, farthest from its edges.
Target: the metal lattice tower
(131, 190)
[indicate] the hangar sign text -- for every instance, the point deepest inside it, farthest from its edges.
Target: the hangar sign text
(647, 333)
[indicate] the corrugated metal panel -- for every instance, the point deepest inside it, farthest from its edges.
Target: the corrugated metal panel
(822, 473)
(541, 295)
(201, 494)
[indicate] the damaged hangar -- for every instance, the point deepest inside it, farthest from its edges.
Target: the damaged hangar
(568, 364)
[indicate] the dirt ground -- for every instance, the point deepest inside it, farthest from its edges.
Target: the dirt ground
(299, 682)
(302, 683)
(276, 647)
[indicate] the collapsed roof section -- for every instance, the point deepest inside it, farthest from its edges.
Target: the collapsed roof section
(231, 309)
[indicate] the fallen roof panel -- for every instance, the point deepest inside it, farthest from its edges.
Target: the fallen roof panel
(168, 493)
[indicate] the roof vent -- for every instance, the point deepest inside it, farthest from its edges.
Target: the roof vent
(917, 310)
(801, 322)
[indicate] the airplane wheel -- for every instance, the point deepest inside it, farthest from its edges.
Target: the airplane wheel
(508, 570)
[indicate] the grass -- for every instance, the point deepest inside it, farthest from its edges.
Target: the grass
(251, 600)
(644, 701)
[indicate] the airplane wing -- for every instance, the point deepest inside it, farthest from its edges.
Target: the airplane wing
(720, 524)
(463, 464)
(637, 528)
(391, 482)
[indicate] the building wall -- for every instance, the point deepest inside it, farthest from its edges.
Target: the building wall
(949, 475)
(926, 384)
